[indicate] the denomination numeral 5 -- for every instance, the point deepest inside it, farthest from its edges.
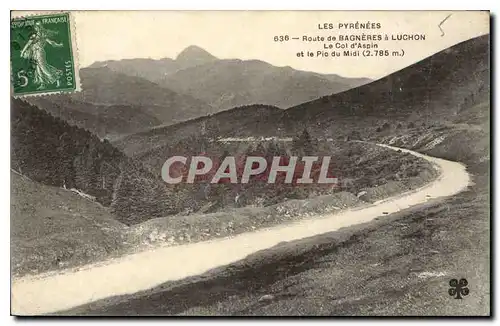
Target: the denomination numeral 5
(21, 74)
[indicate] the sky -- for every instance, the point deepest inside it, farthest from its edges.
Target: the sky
(115, 35)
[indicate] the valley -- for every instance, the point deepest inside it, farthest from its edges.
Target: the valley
(411, 151)
(150, 268)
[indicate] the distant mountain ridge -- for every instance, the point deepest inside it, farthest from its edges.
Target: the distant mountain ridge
(105, 86)
(450, 86)
(112, 104)
(228, 83)
(154, 70)
(193, 56)
(231, 83)
(106, 121)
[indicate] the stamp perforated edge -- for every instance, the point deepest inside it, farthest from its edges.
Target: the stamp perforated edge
(74, 51)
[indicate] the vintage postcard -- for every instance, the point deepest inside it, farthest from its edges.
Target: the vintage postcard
(250, 163)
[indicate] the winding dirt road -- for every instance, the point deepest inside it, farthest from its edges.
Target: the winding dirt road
(144, 270)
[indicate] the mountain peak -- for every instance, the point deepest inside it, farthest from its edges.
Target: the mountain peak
(194, 55)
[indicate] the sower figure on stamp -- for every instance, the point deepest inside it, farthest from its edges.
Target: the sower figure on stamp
(34, 50)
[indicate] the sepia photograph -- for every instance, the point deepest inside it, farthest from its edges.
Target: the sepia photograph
(250, 163)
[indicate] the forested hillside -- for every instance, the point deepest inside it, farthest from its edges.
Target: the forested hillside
(48, 150)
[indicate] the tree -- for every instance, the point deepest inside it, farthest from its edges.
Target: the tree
(303, 145)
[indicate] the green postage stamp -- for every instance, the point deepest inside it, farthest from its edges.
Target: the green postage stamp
(43, 54)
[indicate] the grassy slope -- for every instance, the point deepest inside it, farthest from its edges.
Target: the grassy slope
(442, 86)
(396, 265)
(52, 228)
